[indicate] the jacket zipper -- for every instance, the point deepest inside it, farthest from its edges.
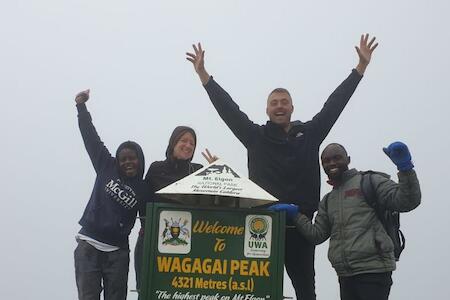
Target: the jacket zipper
(341, 212)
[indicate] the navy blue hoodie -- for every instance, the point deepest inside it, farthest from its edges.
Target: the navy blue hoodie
(111, 211)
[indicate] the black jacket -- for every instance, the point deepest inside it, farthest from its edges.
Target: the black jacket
(111, 211)
(285, 164)
(162, 173)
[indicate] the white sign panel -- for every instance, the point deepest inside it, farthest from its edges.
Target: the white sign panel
(219, 179)
(258, 236)
(174, 234)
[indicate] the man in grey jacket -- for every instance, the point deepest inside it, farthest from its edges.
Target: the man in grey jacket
(360, 250)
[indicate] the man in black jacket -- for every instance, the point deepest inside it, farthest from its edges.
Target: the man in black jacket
(283, 156)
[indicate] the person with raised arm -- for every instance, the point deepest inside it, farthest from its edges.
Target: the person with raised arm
(177, 165)
(361, 249)
(283, 155)
(102, 255)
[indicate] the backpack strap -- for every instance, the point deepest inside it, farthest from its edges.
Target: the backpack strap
(368, 189)
(389, 219)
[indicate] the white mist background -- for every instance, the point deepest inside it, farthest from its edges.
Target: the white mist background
(131, 55)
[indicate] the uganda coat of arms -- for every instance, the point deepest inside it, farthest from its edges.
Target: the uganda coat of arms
(174, 232)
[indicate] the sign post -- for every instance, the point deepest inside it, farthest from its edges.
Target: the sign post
(210, 252)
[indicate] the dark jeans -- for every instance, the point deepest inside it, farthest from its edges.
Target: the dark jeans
(299, 262)
(94, 267)
(370, 286)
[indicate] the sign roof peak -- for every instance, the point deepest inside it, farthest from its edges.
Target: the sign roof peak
(217, 184)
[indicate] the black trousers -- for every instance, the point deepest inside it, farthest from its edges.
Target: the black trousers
(96, 270)
(370, 286)
(138, 260)
(299, 262)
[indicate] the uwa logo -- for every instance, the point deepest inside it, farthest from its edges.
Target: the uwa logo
(258, 236)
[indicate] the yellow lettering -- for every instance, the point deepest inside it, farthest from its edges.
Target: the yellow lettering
(225, 265)
(220, 245)
(264, 268)
(164, 263)
(206, 266)
(198, 226)
(198, 282)
(186, 265)
(234, 266)
(205, 227)
(244, 268)
(197, 266)
(217, 267)
(254, 269)
(176, 266)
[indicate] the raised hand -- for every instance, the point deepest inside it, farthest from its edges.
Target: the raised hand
(365, 51)
(82, 97)
(210, 158)
(399, 153)
(198, 60)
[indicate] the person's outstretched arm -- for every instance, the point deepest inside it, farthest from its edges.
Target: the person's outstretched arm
(333, 107)
(406, 195)
(97, 151)
(242, 127)
(316, 233)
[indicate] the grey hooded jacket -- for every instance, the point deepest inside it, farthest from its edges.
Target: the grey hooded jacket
(358, 242)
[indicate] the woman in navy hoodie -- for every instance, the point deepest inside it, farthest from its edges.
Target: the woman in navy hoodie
(102, 255)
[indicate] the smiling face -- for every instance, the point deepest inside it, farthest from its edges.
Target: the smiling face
(128, 162)
(184, 148)
(279, 108)
(335, 161)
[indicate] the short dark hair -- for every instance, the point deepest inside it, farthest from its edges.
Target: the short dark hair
(280, 90)
(335, 144)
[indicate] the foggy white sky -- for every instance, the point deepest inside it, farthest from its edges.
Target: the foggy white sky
(131, 55)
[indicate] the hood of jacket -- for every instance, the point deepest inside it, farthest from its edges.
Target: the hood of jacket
(140, 154)
(175, 137)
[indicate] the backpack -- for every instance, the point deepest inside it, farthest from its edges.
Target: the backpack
(389, 218)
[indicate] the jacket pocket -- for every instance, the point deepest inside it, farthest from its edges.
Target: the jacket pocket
(383, 241)
(335, 251)
(361, 244)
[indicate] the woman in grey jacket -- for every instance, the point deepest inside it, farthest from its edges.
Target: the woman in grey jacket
(360, 250)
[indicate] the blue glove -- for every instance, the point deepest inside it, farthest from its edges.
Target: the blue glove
(290, 209)
(400, 156)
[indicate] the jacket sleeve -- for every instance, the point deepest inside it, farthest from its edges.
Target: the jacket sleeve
(402, 197)
(97, 151)
(318, 232)
(324, 120)
(239, 123)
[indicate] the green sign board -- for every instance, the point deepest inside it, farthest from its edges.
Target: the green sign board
(193, 253)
